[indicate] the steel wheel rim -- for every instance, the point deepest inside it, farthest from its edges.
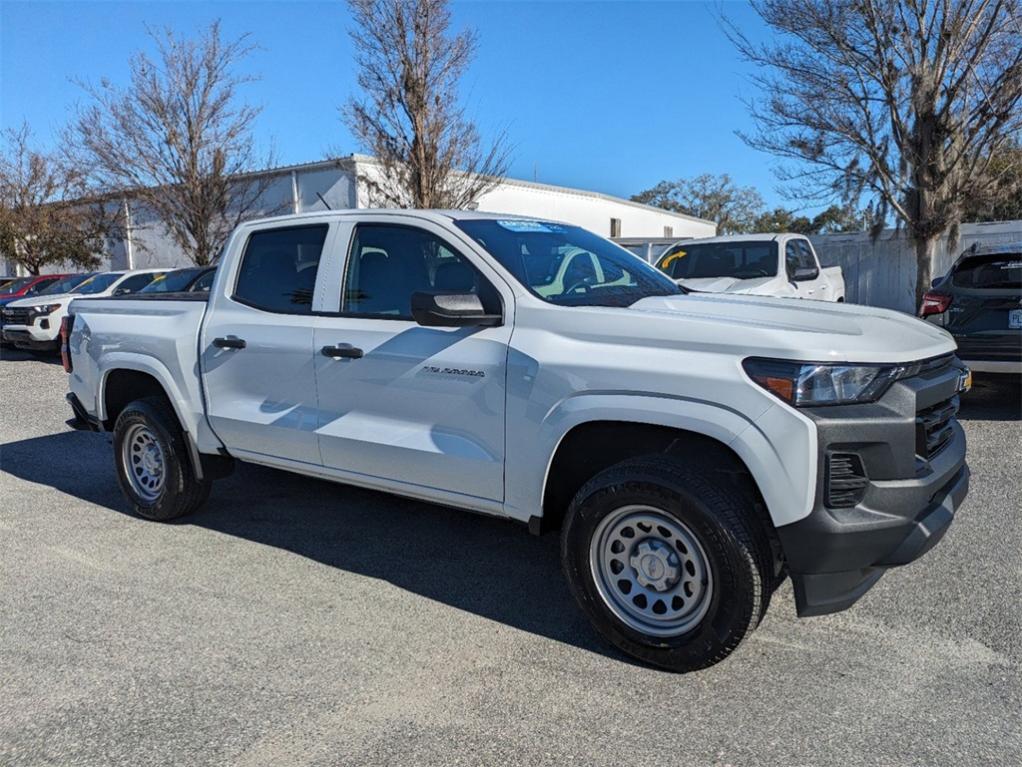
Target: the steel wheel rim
(144, 462)
(651, 571)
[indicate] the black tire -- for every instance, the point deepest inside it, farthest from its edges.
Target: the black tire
(725, 523)
(181, 492)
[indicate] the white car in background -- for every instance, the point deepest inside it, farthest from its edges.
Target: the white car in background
(783, 265)
(34, 323)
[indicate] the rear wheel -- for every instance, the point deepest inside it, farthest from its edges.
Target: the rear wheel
(670, 563)
(153, 467)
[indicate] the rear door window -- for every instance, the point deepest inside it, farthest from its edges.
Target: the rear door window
(1000, 272)
(279, 267)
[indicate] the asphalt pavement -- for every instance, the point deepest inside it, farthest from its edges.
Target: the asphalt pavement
(297, 622)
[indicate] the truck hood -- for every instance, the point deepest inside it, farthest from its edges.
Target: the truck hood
(795, 329)
(57, 298)
(725, 284)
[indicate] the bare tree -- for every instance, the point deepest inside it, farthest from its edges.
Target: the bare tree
(716, 198)
(1005, 201)
(44, 220)
(905, 101)
(408, 115)
(177, 137)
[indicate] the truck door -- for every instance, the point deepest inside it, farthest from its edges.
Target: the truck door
(412, 406)
(256, 345)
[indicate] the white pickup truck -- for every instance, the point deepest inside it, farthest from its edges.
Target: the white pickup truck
(783, 265)
(693, 449)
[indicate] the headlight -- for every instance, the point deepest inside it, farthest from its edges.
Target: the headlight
(44, 308)
(811, 384)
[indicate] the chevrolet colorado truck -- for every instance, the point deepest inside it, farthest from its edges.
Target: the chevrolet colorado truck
(783, 265)
(694, 450)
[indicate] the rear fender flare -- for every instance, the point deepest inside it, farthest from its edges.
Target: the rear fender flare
(153, 367)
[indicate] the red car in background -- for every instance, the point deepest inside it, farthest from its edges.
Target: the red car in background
(26, 287)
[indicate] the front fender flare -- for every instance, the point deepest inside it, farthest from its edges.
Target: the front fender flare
(777, 445)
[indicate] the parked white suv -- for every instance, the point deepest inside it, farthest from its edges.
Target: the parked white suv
(693, 449)
(783, 265)
(34, 323)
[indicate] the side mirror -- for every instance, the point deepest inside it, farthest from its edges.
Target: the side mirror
(804, 273)
(453, 310)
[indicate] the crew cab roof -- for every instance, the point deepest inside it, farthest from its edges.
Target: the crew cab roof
(428, 214)
(764, 237)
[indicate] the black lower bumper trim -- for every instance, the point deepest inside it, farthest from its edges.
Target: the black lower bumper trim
(23, 340)
(82, 420)
(825, 593)
(835, 565)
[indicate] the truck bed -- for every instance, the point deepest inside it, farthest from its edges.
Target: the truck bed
(155, 334)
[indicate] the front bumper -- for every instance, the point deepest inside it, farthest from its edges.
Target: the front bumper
(28, 337)
(906, 501)
(41, 332)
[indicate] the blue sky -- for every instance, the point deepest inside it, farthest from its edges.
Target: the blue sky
(611, 96)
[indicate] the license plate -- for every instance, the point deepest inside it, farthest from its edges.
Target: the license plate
(1015, 319)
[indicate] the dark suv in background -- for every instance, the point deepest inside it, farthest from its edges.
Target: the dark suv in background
(979, 301)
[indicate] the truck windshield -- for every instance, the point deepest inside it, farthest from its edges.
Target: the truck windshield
(172, 282)
(741, 260)
(97, 283)
(65, 285)
(568, 265)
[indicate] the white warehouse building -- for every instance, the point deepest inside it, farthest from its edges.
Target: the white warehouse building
(338, 183)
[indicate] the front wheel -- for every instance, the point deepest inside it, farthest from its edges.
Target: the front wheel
(153, 467)
(669, 563)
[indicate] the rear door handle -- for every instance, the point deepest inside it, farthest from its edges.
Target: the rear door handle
(229, 342)
(346, 351)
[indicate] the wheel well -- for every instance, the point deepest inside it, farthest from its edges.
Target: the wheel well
(124, 386)
(592, 447)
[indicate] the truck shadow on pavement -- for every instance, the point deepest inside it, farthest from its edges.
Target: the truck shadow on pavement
(490, 567)
(9, 354)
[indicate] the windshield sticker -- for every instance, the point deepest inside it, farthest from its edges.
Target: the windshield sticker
(672, 258)
(522, 225)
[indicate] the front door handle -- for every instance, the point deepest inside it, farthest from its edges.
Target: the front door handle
(346, 351)
(229, 342)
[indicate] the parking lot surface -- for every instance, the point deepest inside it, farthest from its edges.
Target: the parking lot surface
(297, 622)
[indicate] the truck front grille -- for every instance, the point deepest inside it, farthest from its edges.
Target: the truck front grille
(15, 316)
(933, 427)
(846, 480)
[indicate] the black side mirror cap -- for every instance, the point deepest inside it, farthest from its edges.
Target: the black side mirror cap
(453, 310)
